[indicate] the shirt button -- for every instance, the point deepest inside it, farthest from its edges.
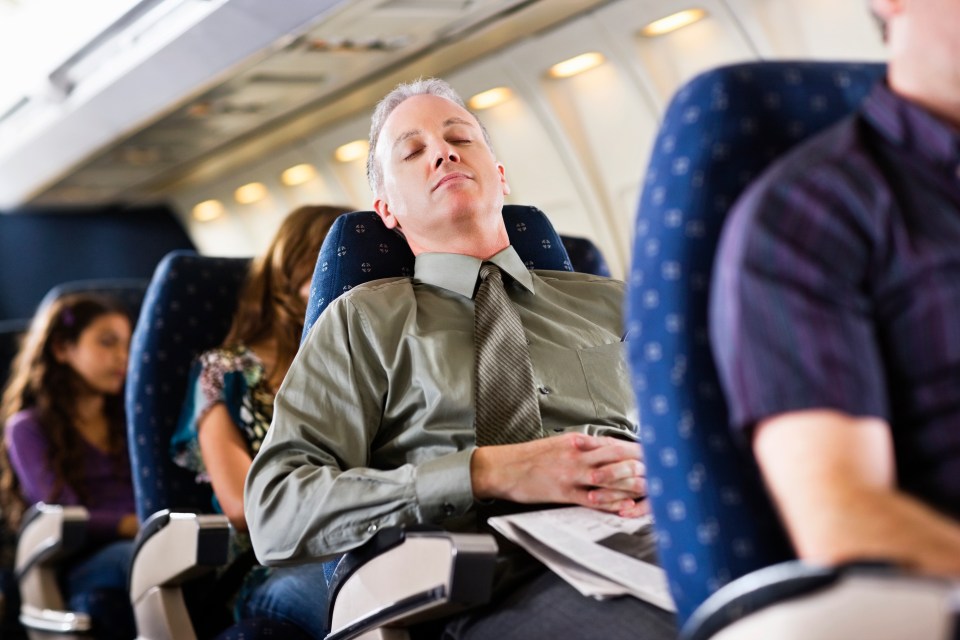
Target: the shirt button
(372, 528)
(545, 390)
(448, 509)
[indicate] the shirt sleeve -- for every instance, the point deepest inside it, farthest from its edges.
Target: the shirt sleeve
(206, 387)
(312, 491)
(791, 313)
(28, 449)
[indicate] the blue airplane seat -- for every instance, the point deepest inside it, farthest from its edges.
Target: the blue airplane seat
(360, 249)
(585, 256)
(187, 309)
(715, 522)
(129, 291)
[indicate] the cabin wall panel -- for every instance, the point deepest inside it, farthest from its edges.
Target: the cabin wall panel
(812, 29)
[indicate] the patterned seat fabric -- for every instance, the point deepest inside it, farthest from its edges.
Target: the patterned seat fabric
(721, 130)
(187, 310)
(585, 256)
(359, 249)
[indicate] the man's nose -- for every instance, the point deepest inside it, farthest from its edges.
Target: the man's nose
(449, 155)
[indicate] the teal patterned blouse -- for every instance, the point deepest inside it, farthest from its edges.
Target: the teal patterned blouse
(236, 377)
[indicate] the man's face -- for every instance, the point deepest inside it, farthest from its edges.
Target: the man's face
(925, 31)
(440, 180)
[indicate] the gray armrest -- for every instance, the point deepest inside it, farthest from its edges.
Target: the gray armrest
(795, 600)
(48, 534)
(421, 575)
(172, 548)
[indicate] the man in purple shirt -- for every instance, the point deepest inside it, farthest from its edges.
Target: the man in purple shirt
(835, 314)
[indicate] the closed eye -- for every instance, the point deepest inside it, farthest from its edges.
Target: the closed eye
(413, 154)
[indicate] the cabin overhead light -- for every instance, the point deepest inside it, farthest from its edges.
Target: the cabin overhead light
(576, 64)
(673, 22)
(208, 210)
(352, 151)
(250, 193)
(490, 98)
(298, 174)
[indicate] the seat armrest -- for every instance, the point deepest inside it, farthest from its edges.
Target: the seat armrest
(420, 575)
(48, 534)
(796, 600)
(171, 549)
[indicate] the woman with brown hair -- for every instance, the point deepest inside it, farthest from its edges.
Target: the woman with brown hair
(64, 442)
(229, 406)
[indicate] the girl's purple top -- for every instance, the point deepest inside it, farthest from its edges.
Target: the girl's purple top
(109, 486)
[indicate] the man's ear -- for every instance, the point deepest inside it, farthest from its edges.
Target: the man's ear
(383, 210)
(503, 178)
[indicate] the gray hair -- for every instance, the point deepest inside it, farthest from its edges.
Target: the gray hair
(420, 87)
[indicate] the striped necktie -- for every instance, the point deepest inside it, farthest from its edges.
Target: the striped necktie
(506, 401)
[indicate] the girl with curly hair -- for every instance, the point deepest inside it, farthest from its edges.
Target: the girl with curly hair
(64, 442)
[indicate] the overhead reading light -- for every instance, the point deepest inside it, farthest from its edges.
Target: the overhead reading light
(208, 210)
(576, 64)
(250, 193)
(352, 151)
(673, 22)
(490, 98)
(298, 174)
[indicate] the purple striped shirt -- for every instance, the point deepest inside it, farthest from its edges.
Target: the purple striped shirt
(837, 285)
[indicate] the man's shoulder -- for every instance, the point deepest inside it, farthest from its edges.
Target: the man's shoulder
(840, 154)
(573, 280)
(577, 277)
(839, 147)
(833, 173)
(372, 296)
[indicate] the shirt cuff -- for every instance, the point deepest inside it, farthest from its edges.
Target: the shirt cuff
(443, 486)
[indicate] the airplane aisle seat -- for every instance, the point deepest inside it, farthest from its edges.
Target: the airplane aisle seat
(187, 310)
(585, 256)
(371, 590)
(719, 538)
(50, 534)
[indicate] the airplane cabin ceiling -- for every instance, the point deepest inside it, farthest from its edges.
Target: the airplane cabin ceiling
(153, 103)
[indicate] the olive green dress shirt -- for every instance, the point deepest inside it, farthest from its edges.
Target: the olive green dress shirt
(373, 425)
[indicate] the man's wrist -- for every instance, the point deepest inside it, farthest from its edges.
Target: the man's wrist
(482, 462)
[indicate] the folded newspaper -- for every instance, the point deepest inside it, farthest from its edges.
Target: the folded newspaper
(601, 555)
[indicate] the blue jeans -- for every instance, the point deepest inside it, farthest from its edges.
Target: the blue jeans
(96, 584)
(297, 595)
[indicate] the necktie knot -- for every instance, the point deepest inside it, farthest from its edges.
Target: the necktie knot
(488, 269)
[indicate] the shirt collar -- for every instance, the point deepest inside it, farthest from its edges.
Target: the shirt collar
(458, 273)
(915, 130)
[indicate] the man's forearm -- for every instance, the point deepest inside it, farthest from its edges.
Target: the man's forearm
(885, 525)
(833, 477)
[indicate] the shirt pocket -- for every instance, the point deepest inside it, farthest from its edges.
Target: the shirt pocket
(608, 382)
(584, 386)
